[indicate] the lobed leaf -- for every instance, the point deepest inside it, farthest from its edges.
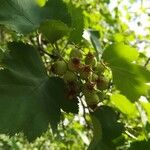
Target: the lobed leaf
(77, 24)
(106, 128)
(129, 78)
(124, 105)
(25, 16)
(117, 52)
(29, 98)
(54, 30)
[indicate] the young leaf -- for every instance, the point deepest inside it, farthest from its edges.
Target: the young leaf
(29, 99)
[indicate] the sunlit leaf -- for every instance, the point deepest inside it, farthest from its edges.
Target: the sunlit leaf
(41, 3)
(93, 36)
(124, 105)
(146, 105)
(129, 78)
(115, 52)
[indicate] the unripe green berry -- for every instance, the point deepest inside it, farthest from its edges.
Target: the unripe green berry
(69, 76)
(59, 67)
(76, 53)
(94, 77)
(91, 98)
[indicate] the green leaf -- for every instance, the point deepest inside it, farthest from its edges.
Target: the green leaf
(1, 55)
(146, 105)
(54, 30)
(77, 24)
(58, 10)
(118, 37)
(106, 128)
(29, 99)
(69, 106)
(106, 1)
(41, 3)
(115, 52)
(26, 15)
(140, 145)
(93, 36)
(129, 78)
(96, 143)
(124, 105)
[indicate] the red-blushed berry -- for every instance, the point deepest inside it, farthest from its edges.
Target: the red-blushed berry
(85, 72)
(74, 64)
(102, 83)
(91, 60)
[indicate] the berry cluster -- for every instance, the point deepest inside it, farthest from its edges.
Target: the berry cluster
(83, 74)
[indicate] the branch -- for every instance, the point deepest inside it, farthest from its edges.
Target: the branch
(147, 62)
(84, 112)
(39, 42)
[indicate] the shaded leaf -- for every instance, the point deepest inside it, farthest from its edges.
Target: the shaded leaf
(29, 99)
(140, 145)
(77, 24)
(97, 143)
(54, 30)
(106, 128)
(26, 15)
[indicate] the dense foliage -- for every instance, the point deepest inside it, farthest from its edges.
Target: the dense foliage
(73, 75)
